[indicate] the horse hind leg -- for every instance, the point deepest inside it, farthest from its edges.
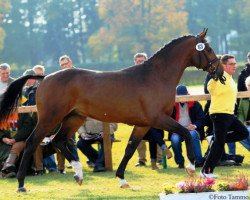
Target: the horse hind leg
(32, 142)
(134, 140)
(69, 126)
(169, 124)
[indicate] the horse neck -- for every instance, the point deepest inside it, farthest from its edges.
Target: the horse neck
(172, 66)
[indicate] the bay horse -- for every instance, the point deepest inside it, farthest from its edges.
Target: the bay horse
(141, 95)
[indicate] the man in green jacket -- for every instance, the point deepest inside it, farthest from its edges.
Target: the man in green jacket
(244, 115)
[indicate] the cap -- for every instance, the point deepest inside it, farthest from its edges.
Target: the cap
(181, 90)
(29, 72)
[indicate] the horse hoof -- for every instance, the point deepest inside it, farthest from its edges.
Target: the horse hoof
(22, 189)
(123, 183)
(78, 180)
(190, 172)
(124, 186)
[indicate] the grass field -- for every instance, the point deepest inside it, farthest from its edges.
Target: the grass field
(145, 183)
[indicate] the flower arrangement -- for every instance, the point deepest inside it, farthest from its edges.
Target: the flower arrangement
(241, 183)
(195, 185)
(168, 189)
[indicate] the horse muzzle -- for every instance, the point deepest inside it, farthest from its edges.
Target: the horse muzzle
(218, 75)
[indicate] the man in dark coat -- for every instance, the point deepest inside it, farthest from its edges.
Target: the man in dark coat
(243, 75)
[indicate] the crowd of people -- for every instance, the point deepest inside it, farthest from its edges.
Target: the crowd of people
(223, 120)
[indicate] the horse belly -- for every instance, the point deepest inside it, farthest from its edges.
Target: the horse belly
(115, 112)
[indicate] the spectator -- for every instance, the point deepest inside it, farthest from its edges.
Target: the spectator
(190, 115)
(39, 69)
(66, 63)
(243, 75)
(140, 58)
(227, 128)
(41, 163)
(89, 133)
(48, 162)
(155, 138)
(25, 124)
(244, 115)
(5, 78)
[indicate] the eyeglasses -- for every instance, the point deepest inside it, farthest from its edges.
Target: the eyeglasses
(64, 64)
(232, 64)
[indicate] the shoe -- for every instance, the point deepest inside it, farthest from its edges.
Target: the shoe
(90, 164)
(210, 175)
(181, 166)
(52, 170)
(140, 163)
(227, 163)
(168, 153)
(154, 166)
(8, 169)
(198, 164)
(62, 171)
(99, 169)
(11, 175)
(159, 162)
(190, 170)
(38, 173)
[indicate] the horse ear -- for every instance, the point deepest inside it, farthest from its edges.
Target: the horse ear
(202, 35)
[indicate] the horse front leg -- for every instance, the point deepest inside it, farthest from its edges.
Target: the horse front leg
(169, 124)
(69, 126)
(134, 140)
(64, 147)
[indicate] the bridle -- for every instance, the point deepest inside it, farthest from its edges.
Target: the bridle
(200, 47)
(210, 64)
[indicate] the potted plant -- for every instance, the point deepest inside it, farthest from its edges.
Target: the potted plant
(193, 189)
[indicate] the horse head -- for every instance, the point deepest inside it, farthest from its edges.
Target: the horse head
(205, 58)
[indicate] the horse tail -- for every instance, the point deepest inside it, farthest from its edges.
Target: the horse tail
(12, 95)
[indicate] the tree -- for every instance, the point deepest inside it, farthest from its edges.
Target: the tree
(136, 25)
(41, 31)
(4, 9)
(227, 23)
(241, 42)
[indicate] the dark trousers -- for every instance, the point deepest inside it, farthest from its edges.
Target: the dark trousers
(93, 155)
(227, 128)
(75, 148)
(154, 137)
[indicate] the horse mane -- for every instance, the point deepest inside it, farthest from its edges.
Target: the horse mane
(164, 51)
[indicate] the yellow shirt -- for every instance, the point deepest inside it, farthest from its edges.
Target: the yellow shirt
(223, 97)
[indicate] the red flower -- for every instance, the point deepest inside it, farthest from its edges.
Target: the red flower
(209, 181)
